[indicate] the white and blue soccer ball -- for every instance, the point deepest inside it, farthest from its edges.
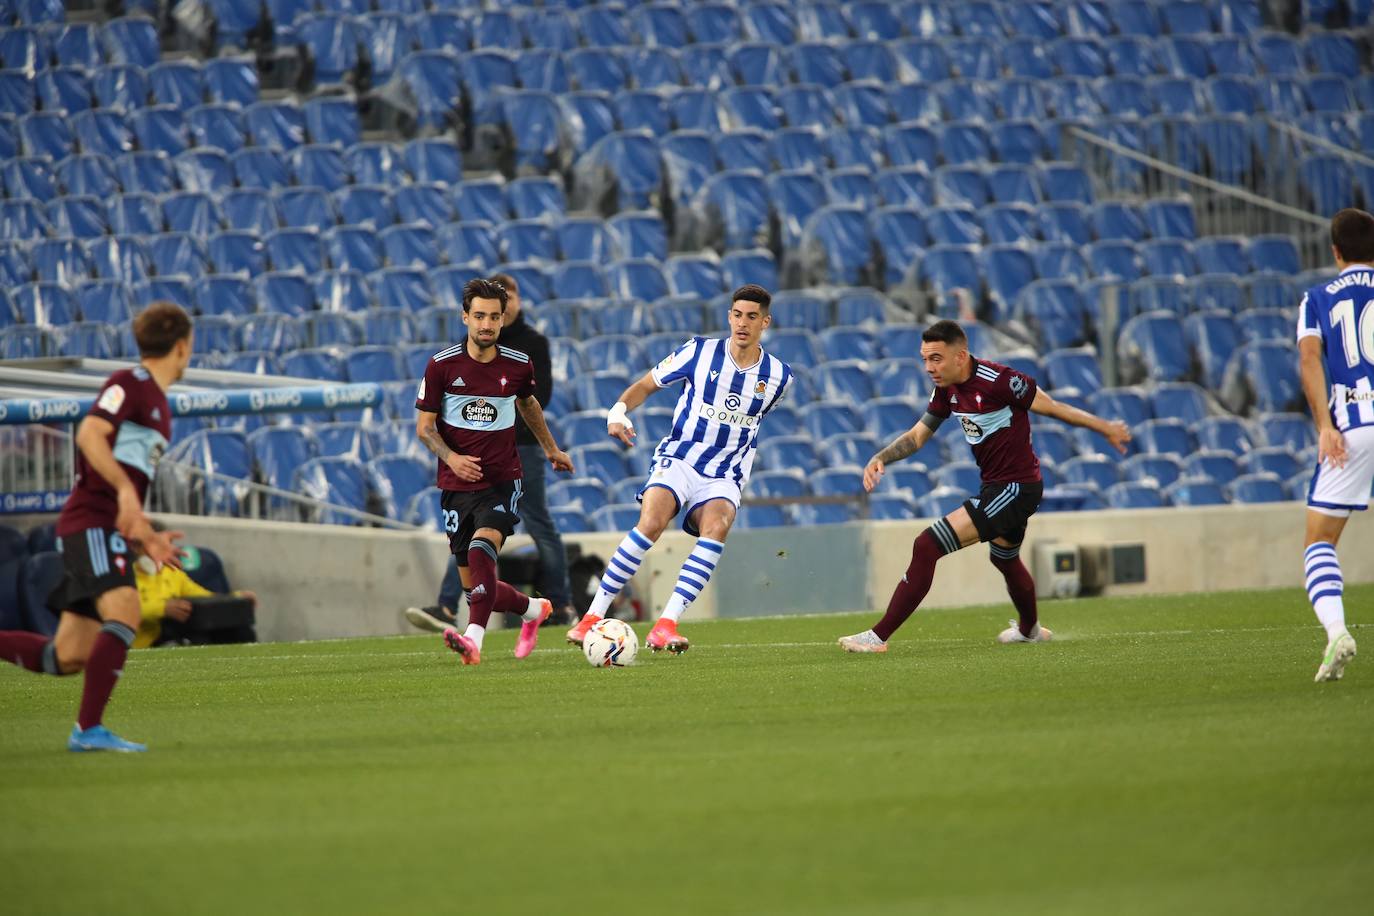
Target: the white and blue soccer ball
(611, 644)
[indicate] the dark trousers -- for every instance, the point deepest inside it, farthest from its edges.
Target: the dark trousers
(538, 523)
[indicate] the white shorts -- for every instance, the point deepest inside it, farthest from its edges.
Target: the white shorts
(689, 488)
(1339, 491)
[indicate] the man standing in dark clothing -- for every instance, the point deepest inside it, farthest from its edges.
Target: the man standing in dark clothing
(519, 334)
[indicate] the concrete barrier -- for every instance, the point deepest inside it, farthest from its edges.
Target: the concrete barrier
(319, 582)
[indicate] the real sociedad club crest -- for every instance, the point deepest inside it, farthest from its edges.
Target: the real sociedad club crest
(760, 388)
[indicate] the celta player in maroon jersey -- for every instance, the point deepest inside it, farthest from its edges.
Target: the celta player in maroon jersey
(102, 526)
(990, 401)
(467, 403)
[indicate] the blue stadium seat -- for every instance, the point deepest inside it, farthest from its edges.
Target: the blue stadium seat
(103, 300)
(1274, 253)
(1158, 294)
(323, 365)
(332, 329)
(338, 481)
(844, 380)
(1289, 430)
(1152, 345)
(1264, 324)
(955, 224)
(836, 246)
(402, 287)
(354, 248)
(269, 333)
(121, 258)
(1064, 223)
(797, 347)
(580, 280)
(1178, 400)
(824, 419)
(1057, 312)
(296, 250)
(46, 133)
(1007, 270)
(906, 186)
(1224, 433)
(78, 216)
(1127, 404)
(694, 275)
(283, 293)
(1134, 495)
(1159, 471)
(1196, 491)
(949, 267)
(1278, 460)
(1165, 436)
(130, 40)
(318, 165)
(1073, 368)
(1260, 487)
(252, 168)
(223, 295)
(754, 265)
(236, 252)
(1263, 375)
(523, 240)
(1098, 470)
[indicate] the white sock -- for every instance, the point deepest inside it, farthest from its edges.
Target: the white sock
(1326, 587)
(536, 607)
(622, 567)
(696, 572)
(475, 633)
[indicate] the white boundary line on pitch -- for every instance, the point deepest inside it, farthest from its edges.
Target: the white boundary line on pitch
(916, 643)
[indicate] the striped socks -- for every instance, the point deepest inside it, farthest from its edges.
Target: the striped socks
(1325, 587)
(622, 567)
(696, 572)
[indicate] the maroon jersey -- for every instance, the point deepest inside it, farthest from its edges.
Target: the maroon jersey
(137, 408)
(476, 407)
(991, 406)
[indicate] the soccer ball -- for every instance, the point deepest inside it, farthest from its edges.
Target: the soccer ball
(611, 644)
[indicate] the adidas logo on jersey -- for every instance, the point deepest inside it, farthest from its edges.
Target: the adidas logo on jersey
(458, 382)
(477, 592)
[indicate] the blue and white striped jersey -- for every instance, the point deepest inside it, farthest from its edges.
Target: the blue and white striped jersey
(716, 421)
(1341, 313)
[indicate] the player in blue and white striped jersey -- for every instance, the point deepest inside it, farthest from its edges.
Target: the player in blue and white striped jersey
(1336, 342)
(703, 463)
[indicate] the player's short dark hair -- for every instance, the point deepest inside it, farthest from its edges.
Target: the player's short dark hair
(158, 328)
(511, 284)
(1352, 233)
(752, 292)
(480, 288)
(945, 331)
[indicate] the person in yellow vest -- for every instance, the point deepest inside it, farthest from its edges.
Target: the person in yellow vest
(162, 594)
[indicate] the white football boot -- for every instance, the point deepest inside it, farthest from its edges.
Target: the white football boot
(1013, 634)
(1339, 651)
(867, 641)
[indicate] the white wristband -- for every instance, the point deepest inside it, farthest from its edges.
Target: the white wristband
(617, 415)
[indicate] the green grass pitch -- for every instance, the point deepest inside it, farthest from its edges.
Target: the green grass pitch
(1162, 755)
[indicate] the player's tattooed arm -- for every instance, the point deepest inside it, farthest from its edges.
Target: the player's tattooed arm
(1114, 431)
(905, 445)
(466, 467)
(533, 416)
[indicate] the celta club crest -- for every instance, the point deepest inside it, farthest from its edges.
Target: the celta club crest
(119, 563)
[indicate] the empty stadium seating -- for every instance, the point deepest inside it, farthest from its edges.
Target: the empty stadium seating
(632, 165)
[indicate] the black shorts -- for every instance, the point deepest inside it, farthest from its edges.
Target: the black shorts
(1002, 510)
(465, 511)
(94, 561)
